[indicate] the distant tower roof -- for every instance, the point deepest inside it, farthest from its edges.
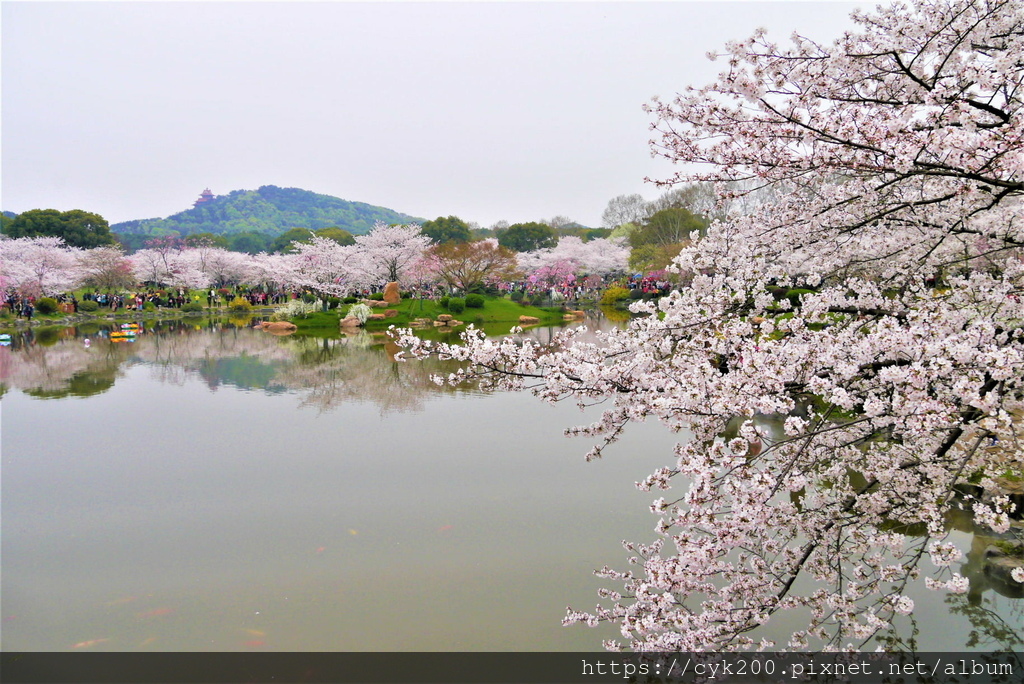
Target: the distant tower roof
(204, 196)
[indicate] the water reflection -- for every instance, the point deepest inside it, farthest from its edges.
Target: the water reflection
(261, 524)
(323, 371)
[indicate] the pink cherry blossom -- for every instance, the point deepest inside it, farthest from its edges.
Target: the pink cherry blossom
(869, 299)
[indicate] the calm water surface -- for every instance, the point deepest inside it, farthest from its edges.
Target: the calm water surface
(212, 487)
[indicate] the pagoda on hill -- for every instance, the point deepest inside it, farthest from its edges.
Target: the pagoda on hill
(204, 197)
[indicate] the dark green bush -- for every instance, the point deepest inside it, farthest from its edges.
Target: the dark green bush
(474, 301)
(46, 305)
(456, 305)
(191, 306)
(377, 296)
(517, 296)
(88, 305)
(350, 300)
(443, 301)
(636, 294)
(149, 306)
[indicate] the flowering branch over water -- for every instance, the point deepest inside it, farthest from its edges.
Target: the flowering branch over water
(875, 304)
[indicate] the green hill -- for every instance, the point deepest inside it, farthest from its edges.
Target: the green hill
(269, 210)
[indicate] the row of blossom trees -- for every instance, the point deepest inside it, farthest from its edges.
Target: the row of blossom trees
(46, 266)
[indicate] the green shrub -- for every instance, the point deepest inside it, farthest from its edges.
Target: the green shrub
(295, 308)
(614, 294)
(517, 296)
(48, 335)
(377, 297)
(443, 301)
(46, 305)
(190, 306)
(360, 311)
(240, 304)
(456, 305)
(88, 305)
(149, 306)
(636, 294)
(474, 301)
(350, 300)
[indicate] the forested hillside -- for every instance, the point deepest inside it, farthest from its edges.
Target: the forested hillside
(270, 210)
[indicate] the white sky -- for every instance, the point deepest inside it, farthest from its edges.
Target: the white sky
(485, 110)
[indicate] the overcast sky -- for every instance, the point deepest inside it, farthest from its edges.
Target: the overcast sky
(488, 111)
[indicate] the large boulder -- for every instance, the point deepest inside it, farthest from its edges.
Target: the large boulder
(377, 317)
(391, 295)
(277, 327)
(390, 313)
(528, 320)
(350, 322)
(444, 318)
(375, 303)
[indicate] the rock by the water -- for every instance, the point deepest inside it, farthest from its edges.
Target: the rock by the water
(278, 326)
(391, 295)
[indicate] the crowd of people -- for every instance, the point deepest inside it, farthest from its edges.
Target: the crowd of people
(568, 289)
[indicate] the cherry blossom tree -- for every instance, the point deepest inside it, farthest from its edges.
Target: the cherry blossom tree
(106, 268)
(325, 267)
(390, 252)
(873, 310)
(222, 266)
(38, 266)
(168, 261)
(600, 256)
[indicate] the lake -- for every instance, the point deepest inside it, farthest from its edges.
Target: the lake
(209, 487)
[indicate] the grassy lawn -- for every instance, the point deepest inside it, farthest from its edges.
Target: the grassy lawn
(496, 313)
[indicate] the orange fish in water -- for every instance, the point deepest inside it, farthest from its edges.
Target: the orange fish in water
(255, 632)
(121, 601)
(321, 549)
(154, 613)
(255, 643)
(90, 642)
(445, 528)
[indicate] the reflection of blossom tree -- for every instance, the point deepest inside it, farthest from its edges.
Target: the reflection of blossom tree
(325, 372)
(357, 368)
(174, 353)
(991, 632)
(62, 369)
